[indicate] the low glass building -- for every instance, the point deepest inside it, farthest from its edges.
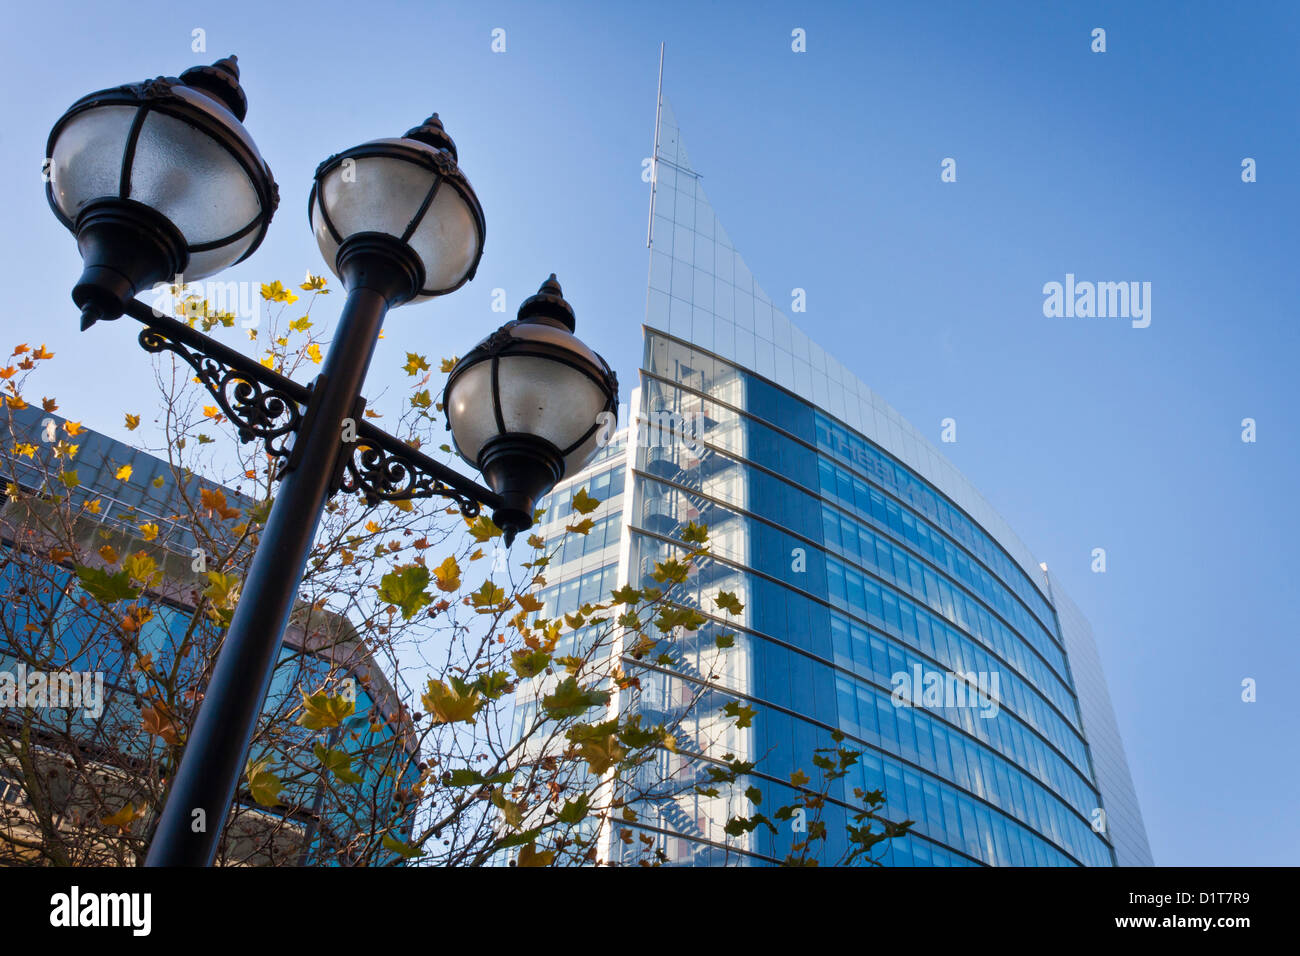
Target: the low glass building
(61, 766)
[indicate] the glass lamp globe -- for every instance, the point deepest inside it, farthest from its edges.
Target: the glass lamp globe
(409, 196)
(158, 179)
(530, 404)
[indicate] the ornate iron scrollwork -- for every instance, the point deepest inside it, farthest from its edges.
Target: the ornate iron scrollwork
(393, 472)
(258, 410)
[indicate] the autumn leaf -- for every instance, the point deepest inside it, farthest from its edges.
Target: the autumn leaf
(108, 554)
(403, 504)
(321, 711)
(337, 762)
(447, 575)
(582, 527)
(142, 569)
(42, 353)
(530, 602)
(123, 473)
(214, 499)
(155, 721)
(123, 818)
(571, 700)
(300, 325)
(313, 353)
(415, 364)
(276, 292)
(212, 412)
(263, 785)
(8, 372)
(132, 422)
(314, 284)
(482, 529)
(529, 855)
(583, 503)
(149, 530)
(451, 703)
(49, 405)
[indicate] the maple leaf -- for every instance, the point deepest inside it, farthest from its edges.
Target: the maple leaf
(73, 428)
(49, 404)
(415, 363)
(132, 422)
(155, 721)
(8, 372)
(123, 473)
(321, 711)
(214, 499)
(42, 353)
(447, 575)
(583, 503)
(313, 353)
(263, 785)
(314, 284)
(123, 818)
(149, 530)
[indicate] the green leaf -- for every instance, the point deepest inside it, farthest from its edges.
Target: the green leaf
(404, 850)
(743, 715)
(511, 811)
(104, 587)
(482, 529)
(696, 533)
(519, 839)
(583, 503)
(468, 777)
(404, 587)
(728, 602)
(574, 811)
(337, 762)
(528, 663)
(583, 527)
(755, 795)
(487, 598)
(571, 700)
(531, 856)
(626, 595)
(724, 641)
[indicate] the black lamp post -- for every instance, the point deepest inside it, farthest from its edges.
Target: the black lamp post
(160, 178)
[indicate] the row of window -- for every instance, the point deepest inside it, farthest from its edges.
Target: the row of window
(875, 465)
(796, 463)
(767, 549)
(855, 593)
(764, 401)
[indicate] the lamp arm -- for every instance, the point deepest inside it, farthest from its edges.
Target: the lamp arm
(268, 406)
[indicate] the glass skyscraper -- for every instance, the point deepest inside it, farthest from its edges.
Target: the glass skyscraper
(865, 563)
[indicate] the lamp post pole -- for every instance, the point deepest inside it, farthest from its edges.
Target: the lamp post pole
(408, 229)
(204, 787)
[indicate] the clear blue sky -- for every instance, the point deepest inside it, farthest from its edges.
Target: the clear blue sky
(824, 167)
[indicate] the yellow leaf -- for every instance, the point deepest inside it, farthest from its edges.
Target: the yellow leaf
(211, 411)
(447, 575)
(301, 325)
(123, 473)
(313, 353)
(108, 554)
(402, 504)
(42, 353)
(132, 422)
(372, 526)
(314, 284)
(122, 819)
(73, 428)
(268, 361)
(94, 506)
(158, 482)
(149, 530)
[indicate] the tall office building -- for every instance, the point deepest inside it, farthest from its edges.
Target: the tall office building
(883, 597)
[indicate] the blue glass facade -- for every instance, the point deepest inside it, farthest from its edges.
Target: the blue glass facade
(861, 556)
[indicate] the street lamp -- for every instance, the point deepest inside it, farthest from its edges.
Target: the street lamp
(159, 177)
(526, 405)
